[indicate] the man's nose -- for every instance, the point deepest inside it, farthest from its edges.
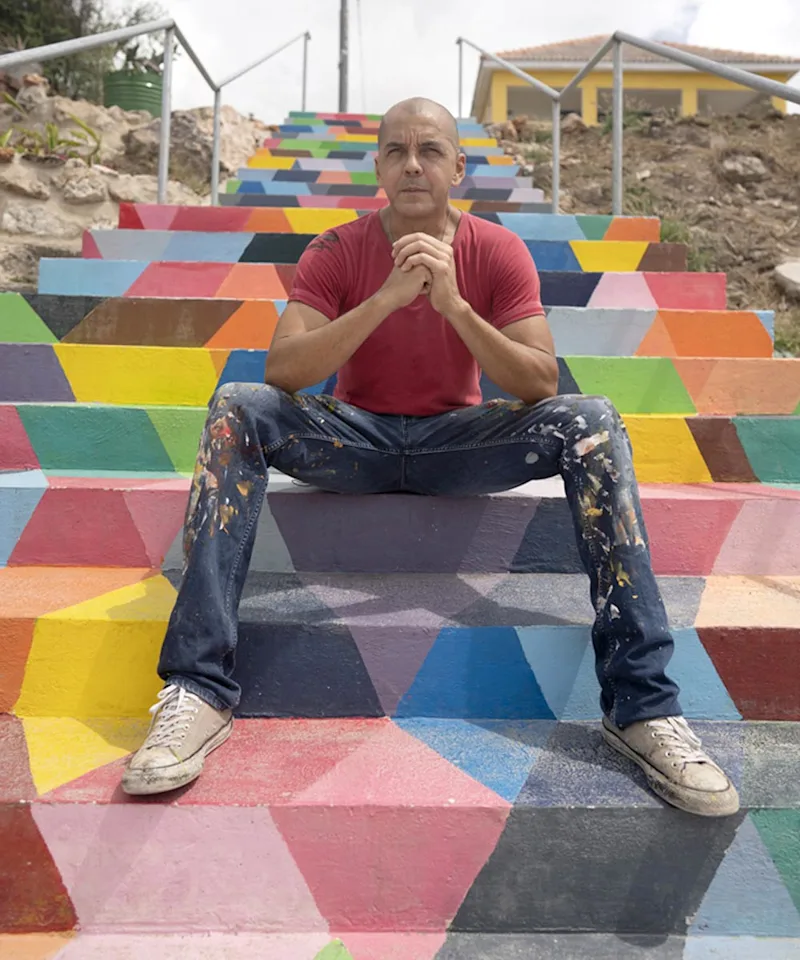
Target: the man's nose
(412, 162)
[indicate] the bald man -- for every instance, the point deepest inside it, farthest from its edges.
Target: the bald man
(407, 305)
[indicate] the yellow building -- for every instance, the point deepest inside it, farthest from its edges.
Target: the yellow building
(650, 80)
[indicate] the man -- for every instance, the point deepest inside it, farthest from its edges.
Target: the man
(407, 304)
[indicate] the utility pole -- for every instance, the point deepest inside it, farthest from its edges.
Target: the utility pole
(343, 56)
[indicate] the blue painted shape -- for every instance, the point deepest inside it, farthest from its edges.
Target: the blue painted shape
(548, 545)
(280, 306)
(142, 245)
(195, 246)
(553, 255)
(568, 289)
(250, 186)
(555, 655)
(591, 332)
(255, 174)
(747, 895)
(20, 494)
(478, 673)
(740, 948)
(703, 694)
(244, 366)
(275, 188)
(491, 170)
(89, 278)
(499, 754)
(542, 226)
(767, 318)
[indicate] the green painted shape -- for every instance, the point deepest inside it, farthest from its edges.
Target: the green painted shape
(19, 322)
(365, 177)
(772, 445)
(780, 831)
(179, 430)
(232, 186)
(634, 384)
(335, 950)
(94, 437)
(594, 226)
(797, 410)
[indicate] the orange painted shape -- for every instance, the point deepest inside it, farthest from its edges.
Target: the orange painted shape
(218, 359)
(16, 636)
(634, 228)
(335, 176)
(34, 591)
(252, 281)
(33, 946)
(250, 327)
(500, 161)
(716, 333)
(268, 220)
(734, 386)
(657, 341)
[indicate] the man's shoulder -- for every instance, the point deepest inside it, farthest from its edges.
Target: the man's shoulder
(344, 236)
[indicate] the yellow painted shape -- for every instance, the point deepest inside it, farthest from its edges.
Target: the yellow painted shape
(98, 658)
(353, 138)
(478, 142)
(617, 256)
(750, 602)
(33, 946)
(62, 749)
(100, 373)
(312, 220)
(462, 204)
(265, 161)
(664, 450)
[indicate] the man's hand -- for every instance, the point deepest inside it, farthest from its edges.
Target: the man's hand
(421, 250)
(401, 287)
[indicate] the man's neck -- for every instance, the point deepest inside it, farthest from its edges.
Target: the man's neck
(438, 225)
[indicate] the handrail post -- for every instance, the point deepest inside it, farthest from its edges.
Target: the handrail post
(618, 130)
(166, 116)
(460, 43)
(215, 154)
(306, 38)
(556, 155)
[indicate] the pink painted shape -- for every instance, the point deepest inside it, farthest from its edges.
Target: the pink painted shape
(211, 219)
(623, 290)
(393, 946)
(393, 657)
(155, 216)
(129, 217)
(764, 540)
(688, 291)
(158, 516)
(167, 869)
(80, 528)
(498, 534)
(89, 248)
(16, 452)
(170, 279)
(196, 946)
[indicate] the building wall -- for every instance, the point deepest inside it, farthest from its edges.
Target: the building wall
(689, 87)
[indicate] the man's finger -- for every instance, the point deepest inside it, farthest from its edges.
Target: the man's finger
(419, 246)
(433, 264)
(403, 242)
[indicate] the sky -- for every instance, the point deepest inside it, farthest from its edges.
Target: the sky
(402, 48)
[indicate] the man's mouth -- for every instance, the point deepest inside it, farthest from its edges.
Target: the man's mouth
(413, 190)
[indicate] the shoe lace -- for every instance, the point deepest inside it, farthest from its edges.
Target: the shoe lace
(173, 713)
(683, 746)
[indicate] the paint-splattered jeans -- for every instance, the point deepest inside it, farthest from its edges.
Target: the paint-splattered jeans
(475, 450)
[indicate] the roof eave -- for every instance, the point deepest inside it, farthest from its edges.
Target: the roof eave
(643, 66)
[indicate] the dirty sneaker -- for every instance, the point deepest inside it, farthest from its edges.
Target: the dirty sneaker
(183, 731)
(676, 766)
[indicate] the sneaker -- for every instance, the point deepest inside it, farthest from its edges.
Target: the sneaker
(183, 731)
(676, 766)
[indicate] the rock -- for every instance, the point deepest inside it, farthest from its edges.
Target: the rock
(644, 175)
(21, 178)
(25, 218)
(744, 168)
(591, 194)
(7, 154)
(142, 188)
(788, 277)
(573, 123)
(85, 186)
(32, 96)
(701, 121)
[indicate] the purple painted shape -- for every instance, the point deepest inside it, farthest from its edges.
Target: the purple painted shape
(398, 533)
(393, 657)
(31, 372)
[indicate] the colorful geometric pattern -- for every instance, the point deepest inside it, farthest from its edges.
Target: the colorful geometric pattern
(417, 770)
(250, 175)
(339, 188)
(250, 324)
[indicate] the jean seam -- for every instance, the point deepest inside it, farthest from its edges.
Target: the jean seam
(483, 444)
(332, 440)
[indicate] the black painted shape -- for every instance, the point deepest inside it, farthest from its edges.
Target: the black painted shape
(487, 193)
(566, 382)
(624, 870)
(343, 189)
(300, 670)
(257, 200)
(351, 154)
(61, 313)
(276, 247)
(558, 946)
(491, 217)
(297, 176)
(564, 288)
(548, 545)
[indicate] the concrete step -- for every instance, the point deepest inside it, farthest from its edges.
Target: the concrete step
(474, 647)
(320, 137)
(369, 203)
(533, 827)
(464, 192)
(73, 512)
(542, 226)
(188, 376)
(477, 178)
(231, 324)
(361, 145)
(504, 168)
(246, 280)
(574, 256)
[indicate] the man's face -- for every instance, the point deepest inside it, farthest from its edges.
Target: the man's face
(417, 165)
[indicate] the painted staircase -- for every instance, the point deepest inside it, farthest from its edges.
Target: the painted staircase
(417, 772)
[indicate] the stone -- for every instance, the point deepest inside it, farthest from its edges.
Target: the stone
(573, 123)
(644, 175)
(142, 188)
(32, 96)
(7, 154)
(788, 277)
(744, 168)
(21, 178)
(86, 186)
(38, 221)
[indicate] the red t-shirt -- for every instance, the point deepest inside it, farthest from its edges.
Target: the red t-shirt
(415, 363)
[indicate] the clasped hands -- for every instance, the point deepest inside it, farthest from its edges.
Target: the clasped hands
(424, 265)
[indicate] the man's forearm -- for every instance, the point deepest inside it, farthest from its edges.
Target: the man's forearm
(522, 371)
(304, 359)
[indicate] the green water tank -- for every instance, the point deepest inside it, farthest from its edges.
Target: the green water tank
(133, 91)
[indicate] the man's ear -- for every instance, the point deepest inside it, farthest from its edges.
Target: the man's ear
(461, 167)
(377, 169)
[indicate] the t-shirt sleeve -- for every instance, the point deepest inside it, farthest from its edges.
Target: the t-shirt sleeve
(516, 288)
(319, 280)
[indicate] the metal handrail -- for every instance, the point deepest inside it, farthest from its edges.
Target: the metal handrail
(736, 74)
(171, 32)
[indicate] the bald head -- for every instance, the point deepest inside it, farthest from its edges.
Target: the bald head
(421, 107)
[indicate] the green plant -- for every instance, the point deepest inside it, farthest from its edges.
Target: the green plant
(82, 141)
(5, 138)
